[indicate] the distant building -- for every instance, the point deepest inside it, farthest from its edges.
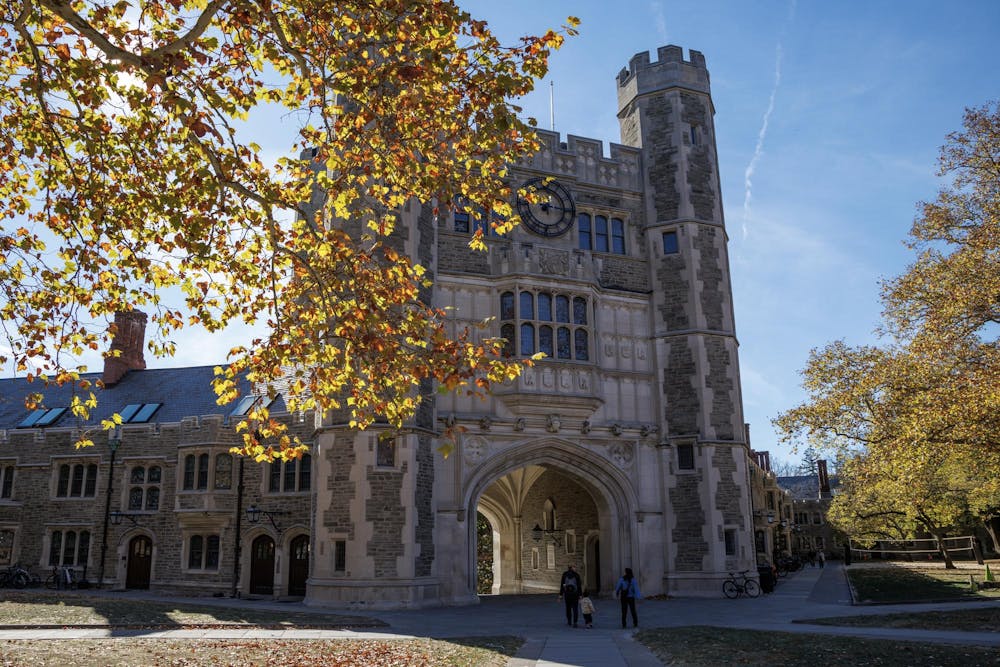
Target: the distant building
(772, 510)
(811, 496)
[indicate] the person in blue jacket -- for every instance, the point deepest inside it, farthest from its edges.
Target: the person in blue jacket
(627, 590)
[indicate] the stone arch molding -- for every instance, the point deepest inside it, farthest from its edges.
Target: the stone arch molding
(613, 487)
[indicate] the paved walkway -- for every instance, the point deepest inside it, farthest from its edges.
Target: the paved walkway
(809, 593)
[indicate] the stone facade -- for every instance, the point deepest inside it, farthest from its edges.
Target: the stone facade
(625, 447)
(42, 513)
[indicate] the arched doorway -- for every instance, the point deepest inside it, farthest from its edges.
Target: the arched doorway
(584, 507)
(262, 566)
(140, 561)
(548, 515)
(298, 565)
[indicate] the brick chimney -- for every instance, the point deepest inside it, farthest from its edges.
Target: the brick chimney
(824, 479)
(130, 339)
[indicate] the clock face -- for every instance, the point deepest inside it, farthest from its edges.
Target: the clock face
(552, 211)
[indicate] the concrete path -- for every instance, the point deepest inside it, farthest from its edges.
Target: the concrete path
(549, 642)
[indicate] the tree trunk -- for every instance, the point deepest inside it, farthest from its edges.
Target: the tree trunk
(943, 550)
(993, 530)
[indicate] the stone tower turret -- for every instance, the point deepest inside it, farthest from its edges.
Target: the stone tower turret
(665, 109)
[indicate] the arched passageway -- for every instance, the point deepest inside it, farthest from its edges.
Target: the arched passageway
(549, 506)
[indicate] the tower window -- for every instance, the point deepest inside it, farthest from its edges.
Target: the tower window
(670, 246)
(617, 236)
(685, 457)
(583, 226)
(695, 135)
(601, 234)
(596, 234)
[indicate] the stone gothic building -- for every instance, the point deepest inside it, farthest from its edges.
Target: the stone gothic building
(624, 448)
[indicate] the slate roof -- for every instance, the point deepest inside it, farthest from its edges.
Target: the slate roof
(184, 392)
(805, 487)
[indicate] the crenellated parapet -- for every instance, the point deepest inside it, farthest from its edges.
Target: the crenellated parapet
(584, 161)
(670, 70)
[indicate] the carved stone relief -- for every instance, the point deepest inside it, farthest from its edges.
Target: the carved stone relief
(554, 262)
(622, 453)
(475, 449)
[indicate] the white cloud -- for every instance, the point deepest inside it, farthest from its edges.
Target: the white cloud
(762, 134)
(659, 20)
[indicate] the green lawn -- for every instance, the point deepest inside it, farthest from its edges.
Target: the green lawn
(710, 647)
(898, 583)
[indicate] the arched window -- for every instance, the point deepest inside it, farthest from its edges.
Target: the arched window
(549, 515)
(583, 225)
(223, 471)
(145, 491)
(203, 471)
(153, 498)
(582, 353)
(562, 308)
(545, 307)
(195, 552)
(189, 466)
(600, 233)
(507, 333)
(507, 306)
(62, 489)
(545, 340)
(617, 236)
(563, 344)
(135, 496)
(527, 340)
(90, 486)
(527, 309)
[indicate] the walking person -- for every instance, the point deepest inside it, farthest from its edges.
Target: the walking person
(587, 608)
(627, 590)
(570, 586)
(821, 557)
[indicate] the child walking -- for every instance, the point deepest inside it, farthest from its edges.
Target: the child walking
(587, 608)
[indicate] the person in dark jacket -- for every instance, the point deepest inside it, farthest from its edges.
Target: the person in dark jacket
(570, 586)
(627, 590)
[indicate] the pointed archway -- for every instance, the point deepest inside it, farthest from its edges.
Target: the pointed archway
(512, 491)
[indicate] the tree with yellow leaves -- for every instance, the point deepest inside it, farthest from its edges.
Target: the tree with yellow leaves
(920, 415)
(125, 177)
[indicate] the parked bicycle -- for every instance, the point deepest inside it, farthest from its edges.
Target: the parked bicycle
(786, 564)
(18, 576)
(735, 586)
(62, 577)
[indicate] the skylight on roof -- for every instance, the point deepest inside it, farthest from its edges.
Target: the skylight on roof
(138, 413)
(248, 403)
(41, 417)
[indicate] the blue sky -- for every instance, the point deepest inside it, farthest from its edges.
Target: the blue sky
(863, 96)
(857, 98)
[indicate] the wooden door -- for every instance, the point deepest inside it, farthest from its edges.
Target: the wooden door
(298, 565)
(140, 561)
(262, 566)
